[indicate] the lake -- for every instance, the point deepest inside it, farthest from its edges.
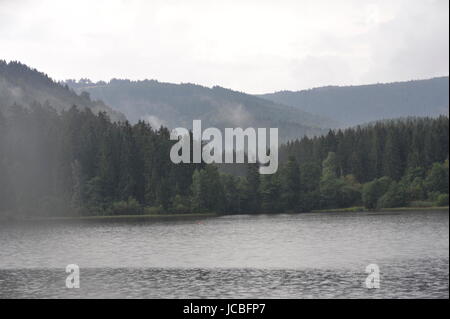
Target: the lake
(314, 255)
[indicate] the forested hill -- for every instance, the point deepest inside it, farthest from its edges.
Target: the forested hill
(176, 105)
(353, 105)
(24, 86)
(78, 163)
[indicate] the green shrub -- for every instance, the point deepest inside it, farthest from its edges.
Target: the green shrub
(181, 205)
(421, 203)
(433, 196)
(442, 200)
(153, 210)
(373, 191)
(129, 207)
(437, 179)
(394, 197)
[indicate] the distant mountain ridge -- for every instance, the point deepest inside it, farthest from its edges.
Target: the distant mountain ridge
(353, 105)
(176, 105)
(296, 114)
(20, 84)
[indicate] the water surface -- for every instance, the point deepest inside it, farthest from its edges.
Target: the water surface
(321, 255)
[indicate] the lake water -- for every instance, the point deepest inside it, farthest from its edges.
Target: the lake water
(317, 255)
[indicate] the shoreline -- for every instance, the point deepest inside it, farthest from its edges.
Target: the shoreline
(108, 217)
(397, 209)
(200, 215)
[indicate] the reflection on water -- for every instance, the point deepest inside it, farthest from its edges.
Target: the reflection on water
(284, 256)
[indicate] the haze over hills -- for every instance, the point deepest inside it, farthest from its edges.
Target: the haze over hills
(19, 84)
(176, 105)
(296, 114)
(354, 105)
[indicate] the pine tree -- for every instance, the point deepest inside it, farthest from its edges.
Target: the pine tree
(270, 194)
(392, 163)
(437, 180)
(253, 191)
(291, 184)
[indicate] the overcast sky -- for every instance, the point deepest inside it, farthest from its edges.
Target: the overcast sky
(253, 46)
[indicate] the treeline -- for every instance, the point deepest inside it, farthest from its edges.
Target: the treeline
(386, 148)
(388, 164)
(78, 163)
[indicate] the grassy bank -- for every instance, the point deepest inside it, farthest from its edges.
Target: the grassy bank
(397, 209)
(341, 210)
(113, 217)
(411, 209)
(201, 215)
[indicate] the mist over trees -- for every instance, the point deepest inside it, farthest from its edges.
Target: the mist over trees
(176, 105)
(80, 163)
(75, 163)
(58, 159)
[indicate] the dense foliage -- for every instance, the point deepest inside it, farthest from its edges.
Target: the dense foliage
(387, 164)
(80, 163)
(76, 162)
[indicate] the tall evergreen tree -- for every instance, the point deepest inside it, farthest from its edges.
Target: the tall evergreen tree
(253, 188)
(392, 162)
(291, 184)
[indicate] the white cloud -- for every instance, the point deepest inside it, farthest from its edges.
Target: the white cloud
(254, 46)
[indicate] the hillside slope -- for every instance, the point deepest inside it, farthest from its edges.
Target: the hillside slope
(22, 85)
(353, 105)
(176, 105)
